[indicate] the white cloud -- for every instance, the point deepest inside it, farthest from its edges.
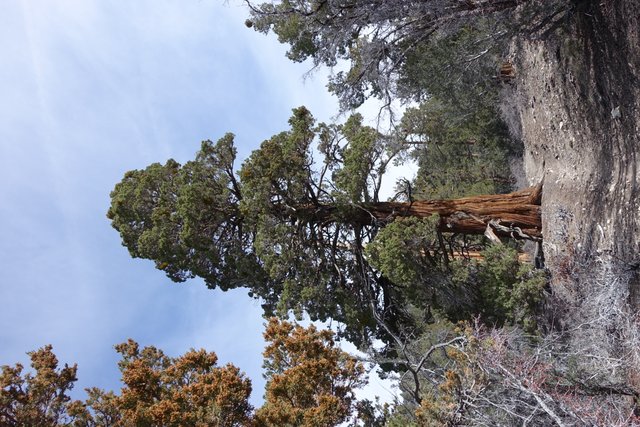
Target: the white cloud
(91, 89)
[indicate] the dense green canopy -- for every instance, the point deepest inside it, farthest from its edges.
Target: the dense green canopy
(261, 229)
(295, 231)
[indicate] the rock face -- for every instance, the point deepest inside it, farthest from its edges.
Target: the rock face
(575, 102)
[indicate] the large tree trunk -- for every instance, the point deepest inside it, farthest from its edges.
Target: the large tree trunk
(513, 215)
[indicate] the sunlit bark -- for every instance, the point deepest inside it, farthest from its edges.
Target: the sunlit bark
(514, 214)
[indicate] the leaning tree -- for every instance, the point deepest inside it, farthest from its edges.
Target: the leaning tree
(292, 230)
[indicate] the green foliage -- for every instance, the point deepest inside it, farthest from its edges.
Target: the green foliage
(359, 159)
(278, 175)
(496, 275)
(386, 43)
(293, 30)
(399, 248)
(186, 218)
(497, 287)
(372, 414)
(303, 235)
(458, 67)
(292, 230)
(458, 155)
(511, 292)
(289, 229)
(409, 253)
(422, 384)
(462, 149)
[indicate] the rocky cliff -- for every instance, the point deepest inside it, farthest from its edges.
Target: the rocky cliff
(575, 103)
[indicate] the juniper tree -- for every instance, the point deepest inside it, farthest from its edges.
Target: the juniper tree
(292, 230)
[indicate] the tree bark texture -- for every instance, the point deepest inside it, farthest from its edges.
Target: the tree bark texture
(514, 214)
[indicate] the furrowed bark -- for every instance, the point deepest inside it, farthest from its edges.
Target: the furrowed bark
(515, 214)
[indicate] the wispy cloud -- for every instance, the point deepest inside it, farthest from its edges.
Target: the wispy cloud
(91, 89)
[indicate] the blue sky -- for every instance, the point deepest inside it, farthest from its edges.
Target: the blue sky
(88, 90)
(91, 89)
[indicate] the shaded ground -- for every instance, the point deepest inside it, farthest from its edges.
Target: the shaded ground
(575, 102)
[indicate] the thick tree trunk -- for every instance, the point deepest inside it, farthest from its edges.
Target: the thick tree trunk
(523, 257)
(512, 215)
